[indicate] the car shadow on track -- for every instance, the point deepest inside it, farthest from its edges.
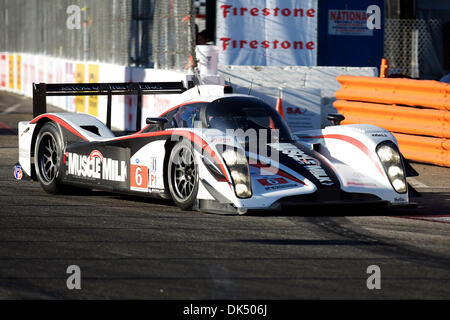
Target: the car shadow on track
(124, 197)
(334, 210)
(310, 242)
(428, 204)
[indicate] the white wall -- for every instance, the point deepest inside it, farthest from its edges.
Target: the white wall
(18, 72)
(309, 91)
(296, 80)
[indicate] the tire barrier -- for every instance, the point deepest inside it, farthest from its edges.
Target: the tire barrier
(417, 112)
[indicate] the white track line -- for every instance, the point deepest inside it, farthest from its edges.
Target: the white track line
(441, 219)
(11, 109)
(416, 183)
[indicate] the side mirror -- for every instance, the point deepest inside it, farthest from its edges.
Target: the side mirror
(159, 121)
(335, 118)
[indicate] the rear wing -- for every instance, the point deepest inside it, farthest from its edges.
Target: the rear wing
(42, 90)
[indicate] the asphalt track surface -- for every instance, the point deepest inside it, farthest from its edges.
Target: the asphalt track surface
(138, 248)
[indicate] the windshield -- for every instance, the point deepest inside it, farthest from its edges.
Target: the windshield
(250, 114)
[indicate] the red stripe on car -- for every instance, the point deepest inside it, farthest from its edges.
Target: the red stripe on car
(187, 134)
(352, 141)
(61, 122)
(173, 108)
(278, 172)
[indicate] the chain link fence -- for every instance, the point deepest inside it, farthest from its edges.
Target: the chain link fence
(415, 47)
(123, 32)
(174, 35)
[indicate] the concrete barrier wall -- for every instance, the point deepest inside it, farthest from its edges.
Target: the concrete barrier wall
(308, 92)
(301, 81)
(19, 70)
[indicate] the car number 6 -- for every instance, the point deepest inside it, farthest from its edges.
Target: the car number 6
(138, 176)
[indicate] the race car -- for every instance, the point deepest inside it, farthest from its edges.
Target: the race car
(213, 151)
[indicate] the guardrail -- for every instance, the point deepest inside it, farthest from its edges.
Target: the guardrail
(417, 112)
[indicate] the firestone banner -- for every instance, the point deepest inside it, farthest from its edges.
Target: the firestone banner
(267, 33)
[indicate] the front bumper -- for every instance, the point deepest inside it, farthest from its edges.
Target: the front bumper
(329, 196)
(330, 199)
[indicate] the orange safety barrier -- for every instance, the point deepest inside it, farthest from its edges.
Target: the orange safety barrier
(414, 93)
(424, 149)
(417, 112)
(426, 122)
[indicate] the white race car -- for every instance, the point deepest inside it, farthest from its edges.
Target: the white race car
(215, 151)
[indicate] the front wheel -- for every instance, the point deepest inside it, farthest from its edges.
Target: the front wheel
(183, 175)
(47, 156)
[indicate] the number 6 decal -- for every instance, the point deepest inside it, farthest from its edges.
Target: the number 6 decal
(138, 178)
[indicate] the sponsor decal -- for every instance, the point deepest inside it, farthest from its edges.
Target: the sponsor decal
(379, 135)
(25, 131)
(152, 167)
(138, 177)
(309, 162)
(283, 186)
(96, 154)
(276, 183)
(18, 173)
(360, 184)
(295, 110)
(95, 166)
(80, 101)
(243, 40)
(156, 190)
(153, 180)
(93, 76)
(348, 23)
(272, 181)
(11, 71)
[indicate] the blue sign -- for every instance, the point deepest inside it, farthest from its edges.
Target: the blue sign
(351, 33)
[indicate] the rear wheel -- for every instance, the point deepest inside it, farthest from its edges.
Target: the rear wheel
(183, 175)
(47, 156)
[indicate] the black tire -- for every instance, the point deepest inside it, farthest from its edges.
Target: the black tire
(47, 158)
(183, 175)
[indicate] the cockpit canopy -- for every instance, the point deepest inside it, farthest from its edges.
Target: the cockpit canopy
(236, 115)
(245, 113)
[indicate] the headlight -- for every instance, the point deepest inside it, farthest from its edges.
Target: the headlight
(399, 185)
(395, 171)
(242, 189)
(238, 176)
(233, 158)
(238, 166)
(388, 154)
(393, 166)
